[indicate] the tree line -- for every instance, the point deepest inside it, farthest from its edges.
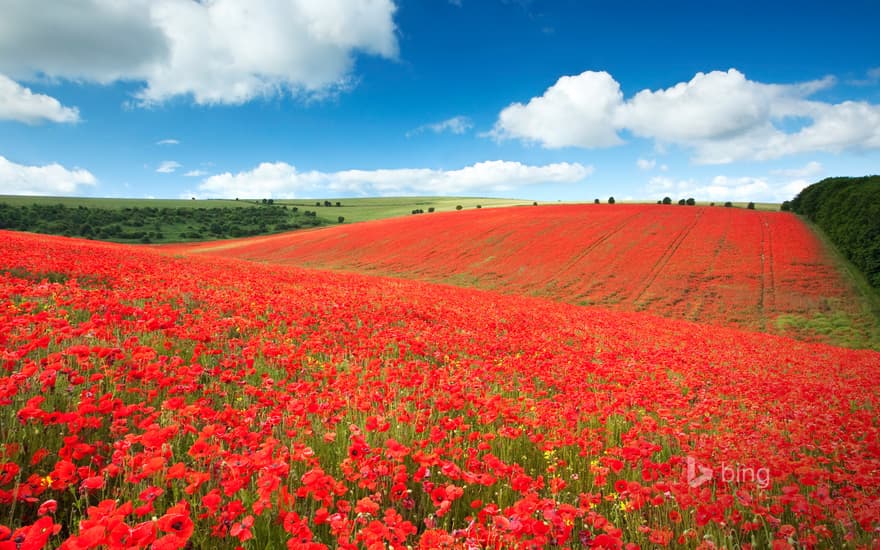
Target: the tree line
(151, 224)
(848, 211)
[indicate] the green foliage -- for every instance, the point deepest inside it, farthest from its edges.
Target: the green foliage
(667, 200)
(152, 224)
(691, 201)
(751, 206)
(728, 204)
(848, 211)
(610, 200)
(459, 207)
(681, 202)
(340, 219)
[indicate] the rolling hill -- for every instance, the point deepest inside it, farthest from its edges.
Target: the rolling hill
(725, 266)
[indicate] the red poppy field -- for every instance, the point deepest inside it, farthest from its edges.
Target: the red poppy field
(752, 269)
(158, 401)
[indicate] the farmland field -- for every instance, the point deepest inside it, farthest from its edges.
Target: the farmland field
(752, 269)
(148, 400)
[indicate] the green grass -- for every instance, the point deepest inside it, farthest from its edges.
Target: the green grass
(353, 209)
(366, 209)
(859, 329)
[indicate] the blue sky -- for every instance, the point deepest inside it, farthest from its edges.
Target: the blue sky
(561, 100)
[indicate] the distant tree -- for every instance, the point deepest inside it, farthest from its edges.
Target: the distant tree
(295, 209)
(236, 198)
(786, 206)
(659, 202)
(318, 203)
(193, 198)
(667, 200)
(479, 206)
(265, 201)
(728, 204)
(682, 202)
(271, 201)
(711, 204)
(340, 219)
(691, 201)
(328, 203)
(596, 201)
(535, 203)
(751, 206)
(430, 209)
(459, 207)
(610, 200)
(338, 203)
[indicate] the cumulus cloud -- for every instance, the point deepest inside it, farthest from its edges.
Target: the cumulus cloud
(168, 142)
(168, 166)
(282, 180)
(779, 186)
(720, 116)
(577, 111)
(455, 125)
(196, 173)
(219, 51)
(51, 179)
(21, 104)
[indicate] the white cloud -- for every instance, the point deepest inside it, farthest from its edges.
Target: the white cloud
(21, 104)
(811, 169)
(196, 173)
(455, 125)
(168, 166)
(51, 179)
(168, 142)
(222, 51)
(721, 116)
(646, 164)
(281, 180)
(577, 111)
(872, 76)
(781, 185)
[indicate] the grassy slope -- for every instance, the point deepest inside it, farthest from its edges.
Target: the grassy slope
(354, 210)
(360, 210)
(842, 328)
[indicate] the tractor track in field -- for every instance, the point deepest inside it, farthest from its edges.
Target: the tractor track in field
(595, 244)
(767, 297)
(666, 256)
(697, 310)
